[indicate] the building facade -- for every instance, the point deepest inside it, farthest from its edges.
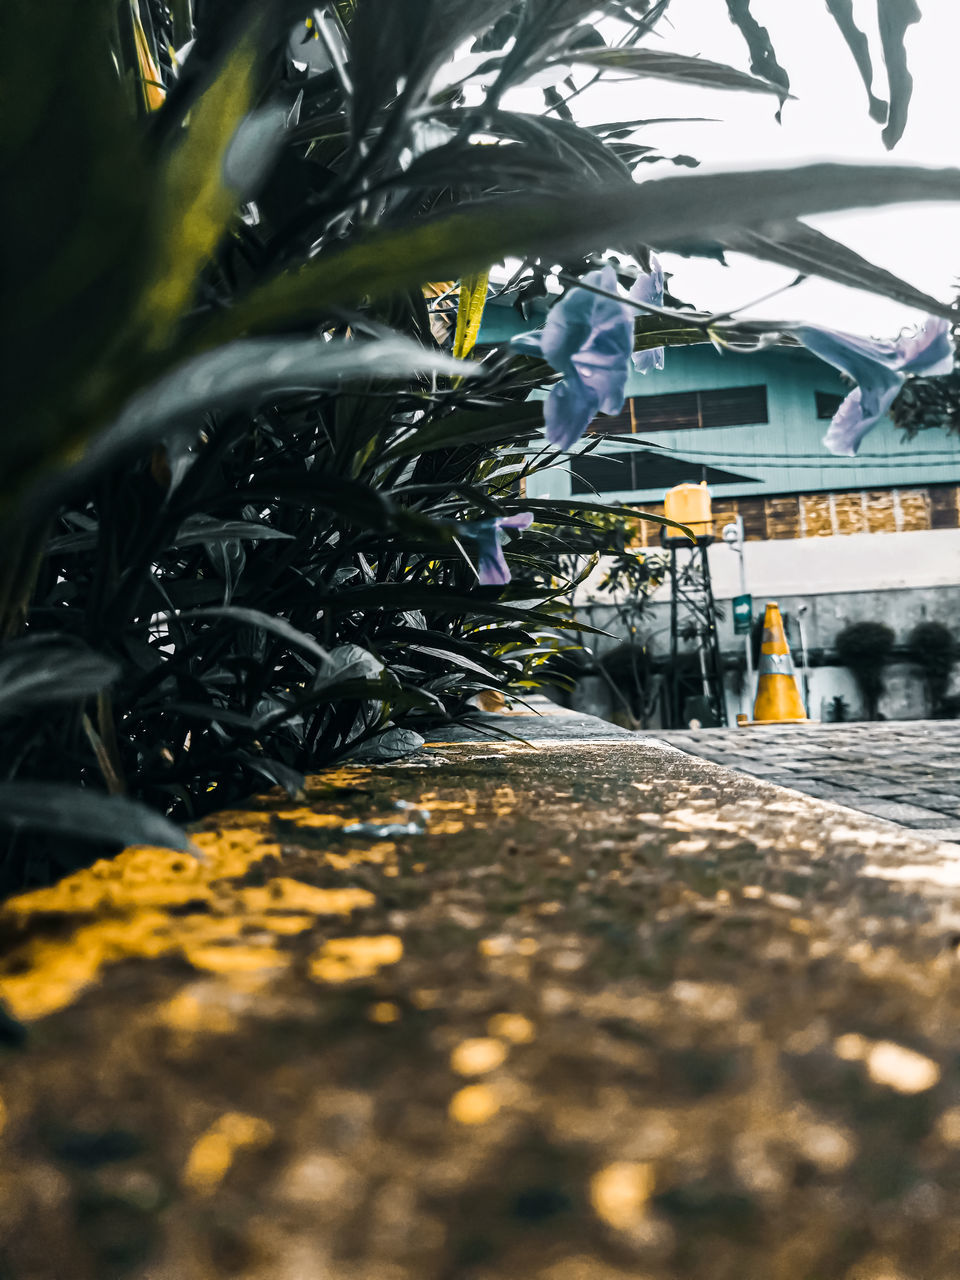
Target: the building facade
(875, 537)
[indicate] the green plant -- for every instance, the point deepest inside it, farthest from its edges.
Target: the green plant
(865, 648)
(239, 439)
(932, 647)
(839, 711)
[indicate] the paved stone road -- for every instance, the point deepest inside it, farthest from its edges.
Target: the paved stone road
(907, 772)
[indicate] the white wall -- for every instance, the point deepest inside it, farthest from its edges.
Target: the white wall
(854, 562)
(897, 578)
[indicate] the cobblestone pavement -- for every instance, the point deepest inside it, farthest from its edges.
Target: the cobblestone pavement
(907, 772)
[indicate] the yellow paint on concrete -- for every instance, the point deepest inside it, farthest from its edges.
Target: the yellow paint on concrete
(477, 1056)
(429, 802)
(344, 959)
(57, 970)
(888, 1063)
(136, 877)
(851, 1047)
(513, 1027)
(213, 1153)
(384, 1012)
(123, 908)
(189, 1012)
(288, 926)
(236, 958)
(900, 1068)
(504, 801)
(505, 945)
(305, 817)
(948, 1127)
(474, 1104)
(620, 1193)
(379, 854)
(286, 894)
(346, 776)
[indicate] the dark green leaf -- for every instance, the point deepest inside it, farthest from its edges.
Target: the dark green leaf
(661, 65)
(842, 14)
(265, 622)
(895, 16)
(246, 374)
(763, 58)
(40, 669)
(506, 424)
(667, 209)
(793, 244)
(202, 529)
(86, 815)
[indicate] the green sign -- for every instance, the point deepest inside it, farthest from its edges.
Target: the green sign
(742, 615)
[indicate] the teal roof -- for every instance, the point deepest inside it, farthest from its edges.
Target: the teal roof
(784, 455)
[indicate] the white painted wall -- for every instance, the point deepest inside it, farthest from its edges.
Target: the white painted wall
(897, 578)
(853, 562)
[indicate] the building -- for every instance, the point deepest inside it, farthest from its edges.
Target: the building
(872, 537)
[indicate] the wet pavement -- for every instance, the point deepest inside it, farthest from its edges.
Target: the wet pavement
(585, 1009)
(907, 772)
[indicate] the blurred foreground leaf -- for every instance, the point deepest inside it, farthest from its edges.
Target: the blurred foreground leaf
(86, 815)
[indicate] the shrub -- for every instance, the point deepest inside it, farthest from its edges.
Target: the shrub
(865, 648)
(238, 453)
(932, 646)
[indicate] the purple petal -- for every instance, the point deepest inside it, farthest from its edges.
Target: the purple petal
(571, 407)
(575, 321)
(588, 338)
(929, 350)
(531, 342)
(857, 357)
(872, 364)
(644, 361)
(648, 287)
(492, 568)
(522, 520)
(604, 372)
(853, 420)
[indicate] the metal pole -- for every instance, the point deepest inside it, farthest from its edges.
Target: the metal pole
(804, 682)
(710, 618)
(673, 713)
(748, 638)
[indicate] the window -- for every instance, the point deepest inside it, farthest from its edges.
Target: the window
(616, 425)
(641, 469)
(828, 402)
(681, 410)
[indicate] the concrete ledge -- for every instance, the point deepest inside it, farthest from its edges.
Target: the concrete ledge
(588, 1009)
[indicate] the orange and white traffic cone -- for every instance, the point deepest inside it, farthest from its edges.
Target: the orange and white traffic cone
(778, 698)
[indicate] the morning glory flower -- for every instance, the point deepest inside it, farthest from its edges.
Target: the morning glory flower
(879, 369)
(648, 287)
(486, 535)
(587, 338)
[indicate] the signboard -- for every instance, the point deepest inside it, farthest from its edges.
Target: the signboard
(742, 615)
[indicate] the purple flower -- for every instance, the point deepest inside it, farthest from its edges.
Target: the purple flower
(648, 287)
(879, 369)
(486, 535)
(587, 338)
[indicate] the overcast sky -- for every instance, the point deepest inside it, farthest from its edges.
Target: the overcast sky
(828, 121)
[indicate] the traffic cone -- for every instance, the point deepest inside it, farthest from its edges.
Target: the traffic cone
(778, 698)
